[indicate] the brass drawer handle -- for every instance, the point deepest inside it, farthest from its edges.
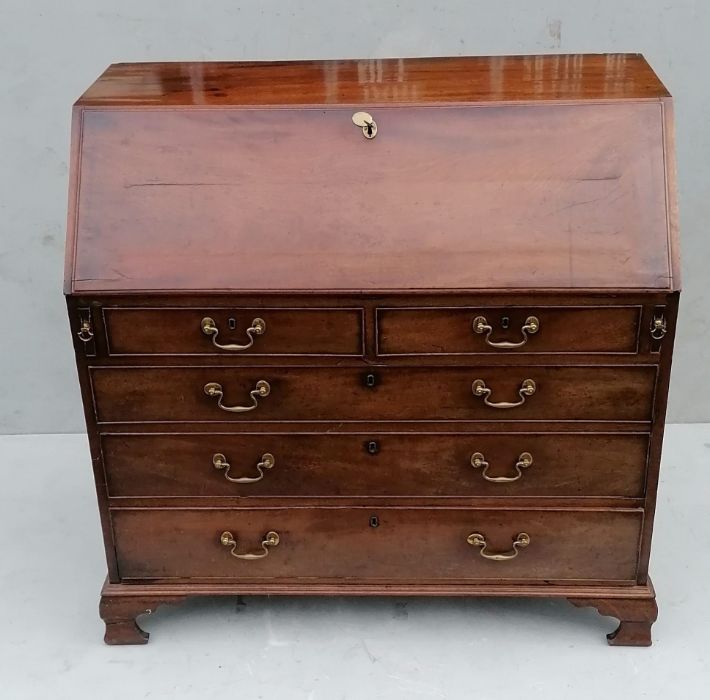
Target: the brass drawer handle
(263, 388)
(220, 462)
(530, 327)
(479, 388)
(209, 327)
(524, 461)
(520, 542)
(271, 539)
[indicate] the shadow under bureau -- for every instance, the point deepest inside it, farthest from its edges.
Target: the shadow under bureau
(387, 327)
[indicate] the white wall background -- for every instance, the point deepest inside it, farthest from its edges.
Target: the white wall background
(51, 50)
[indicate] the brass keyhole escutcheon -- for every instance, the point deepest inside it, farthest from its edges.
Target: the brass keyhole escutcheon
(366, 123)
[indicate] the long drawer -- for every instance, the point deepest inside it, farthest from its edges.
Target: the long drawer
(327, 465)
(243, 394)
(360, 544)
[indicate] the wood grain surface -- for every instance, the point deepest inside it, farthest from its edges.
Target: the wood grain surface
(377, 81)
(407, 544)
(450, 331)
(141, 394)
(503, 187)
(580, 465)
(487, 197)
(178, 331)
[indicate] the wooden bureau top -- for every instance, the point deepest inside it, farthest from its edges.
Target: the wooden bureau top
(507, 173)
(378, 81)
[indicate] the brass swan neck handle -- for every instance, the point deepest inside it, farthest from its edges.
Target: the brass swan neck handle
(479, 388)
(220, 462)
(209, 327)
(530, 327)
(271, 539)
(478, 461)
(521, 541)
(260, 391)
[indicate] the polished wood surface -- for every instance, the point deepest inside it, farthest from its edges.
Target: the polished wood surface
(444, 331)
(140, 331)
(636, 618)
(375, 465)
(142, 395)
(377, 81)
(502, 187)
(121, 604)
(610, 314)
(406, 545)
(490, 197)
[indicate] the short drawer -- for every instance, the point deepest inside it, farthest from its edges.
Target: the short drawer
(361, 544)
(230, 331)
(500, 330)
(188, 394)
(368, 465)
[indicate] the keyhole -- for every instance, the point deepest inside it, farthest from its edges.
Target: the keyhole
(505, 322)
(370, 380)
(232, 323)
(366, 123)
(374, 521)
(369, 130)
(372, 447)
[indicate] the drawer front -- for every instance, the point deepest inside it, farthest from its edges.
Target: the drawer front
(501, 330)
(250, 331)
(409, 544)
(136, 394)
(307, 465)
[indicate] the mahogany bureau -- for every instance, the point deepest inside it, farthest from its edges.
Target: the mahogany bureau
(381, 327)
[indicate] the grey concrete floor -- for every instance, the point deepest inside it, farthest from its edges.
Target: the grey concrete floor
(51, 569)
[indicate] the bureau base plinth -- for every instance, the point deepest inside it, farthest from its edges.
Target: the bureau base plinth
(634, 606)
